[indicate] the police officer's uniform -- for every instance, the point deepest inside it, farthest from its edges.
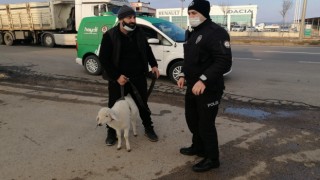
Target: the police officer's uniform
(207, 56)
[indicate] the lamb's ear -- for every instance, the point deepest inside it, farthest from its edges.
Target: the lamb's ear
(113, 115)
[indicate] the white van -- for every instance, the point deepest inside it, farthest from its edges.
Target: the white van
(165, 38)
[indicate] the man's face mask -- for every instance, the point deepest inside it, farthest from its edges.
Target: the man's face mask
(194, 21)
(129, 26)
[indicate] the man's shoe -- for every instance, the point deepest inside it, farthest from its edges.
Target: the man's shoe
(111, 139)
(151, 135)
(190, 151)
(205, 165)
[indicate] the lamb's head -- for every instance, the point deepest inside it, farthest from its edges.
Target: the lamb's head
(105, 115)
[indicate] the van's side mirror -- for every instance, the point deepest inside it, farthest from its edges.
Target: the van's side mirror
(153, 41)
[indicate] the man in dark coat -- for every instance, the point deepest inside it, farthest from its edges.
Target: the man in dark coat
(125, 55)
(207, 56)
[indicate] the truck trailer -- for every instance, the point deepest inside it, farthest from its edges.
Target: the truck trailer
(50, 23)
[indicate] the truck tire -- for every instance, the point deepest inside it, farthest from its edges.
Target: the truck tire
(92, 65)
(8, 39)
(1, 39)
(48, 40)
(175, 70)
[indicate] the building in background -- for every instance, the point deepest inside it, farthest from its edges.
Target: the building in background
(226, 16)
(229, 17)
(312, 27)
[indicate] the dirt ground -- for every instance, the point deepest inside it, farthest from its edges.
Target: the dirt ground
(287, 147)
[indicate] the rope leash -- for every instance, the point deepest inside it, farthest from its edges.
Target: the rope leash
(136, 92)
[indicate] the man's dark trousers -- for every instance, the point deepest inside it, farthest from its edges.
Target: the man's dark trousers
(201, 112)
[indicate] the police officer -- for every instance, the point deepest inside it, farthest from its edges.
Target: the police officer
(207, 55)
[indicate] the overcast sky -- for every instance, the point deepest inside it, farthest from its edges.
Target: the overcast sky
(268, 10)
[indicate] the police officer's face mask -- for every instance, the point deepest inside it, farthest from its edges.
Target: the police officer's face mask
(195, 21)
(129, 26)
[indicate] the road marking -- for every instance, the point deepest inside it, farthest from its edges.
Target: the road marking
(290, 52)
(309, 62)
(250, 59)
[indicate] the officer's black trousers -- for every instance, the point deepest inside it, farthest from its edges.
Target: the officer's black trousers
(201, 112)
(141, 84)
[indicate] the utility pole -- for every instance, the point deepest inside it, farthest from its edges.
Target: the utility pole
(181, 17)
(303, 17)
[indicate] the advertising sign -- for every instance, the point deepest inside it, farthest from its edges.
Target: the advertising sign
(307, 31)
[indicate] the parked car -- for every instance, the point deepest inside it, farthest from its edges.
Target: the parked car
(238, 28)
(284, 29)
(251, 29)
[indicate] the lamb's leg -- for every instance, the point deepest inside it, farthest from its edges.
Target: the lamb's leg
(119, 138)
(126, 137)
(134, 125)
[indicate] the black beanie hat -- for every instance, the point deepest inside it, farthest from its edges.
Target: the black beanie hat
(125, 11)
(202, 6)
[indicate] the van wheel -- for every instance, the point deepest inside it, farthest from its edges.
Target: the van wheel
(8, 39)
(1, 39)
(174, 71)
(48, 40)
(92, 65)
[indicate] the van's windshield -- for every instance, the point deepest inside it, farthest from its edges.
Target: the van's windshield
(173, 31)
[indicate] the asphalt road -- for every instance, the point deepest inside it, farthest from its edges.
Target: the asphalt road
(261, 72)
(281, 73)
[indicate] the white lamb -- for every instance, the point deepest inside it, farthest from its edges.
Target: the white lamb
(119, 117)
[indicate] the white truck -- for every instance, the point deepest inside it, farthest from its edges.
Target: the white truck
(50, 23)
(260, 27)
(272, 28)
